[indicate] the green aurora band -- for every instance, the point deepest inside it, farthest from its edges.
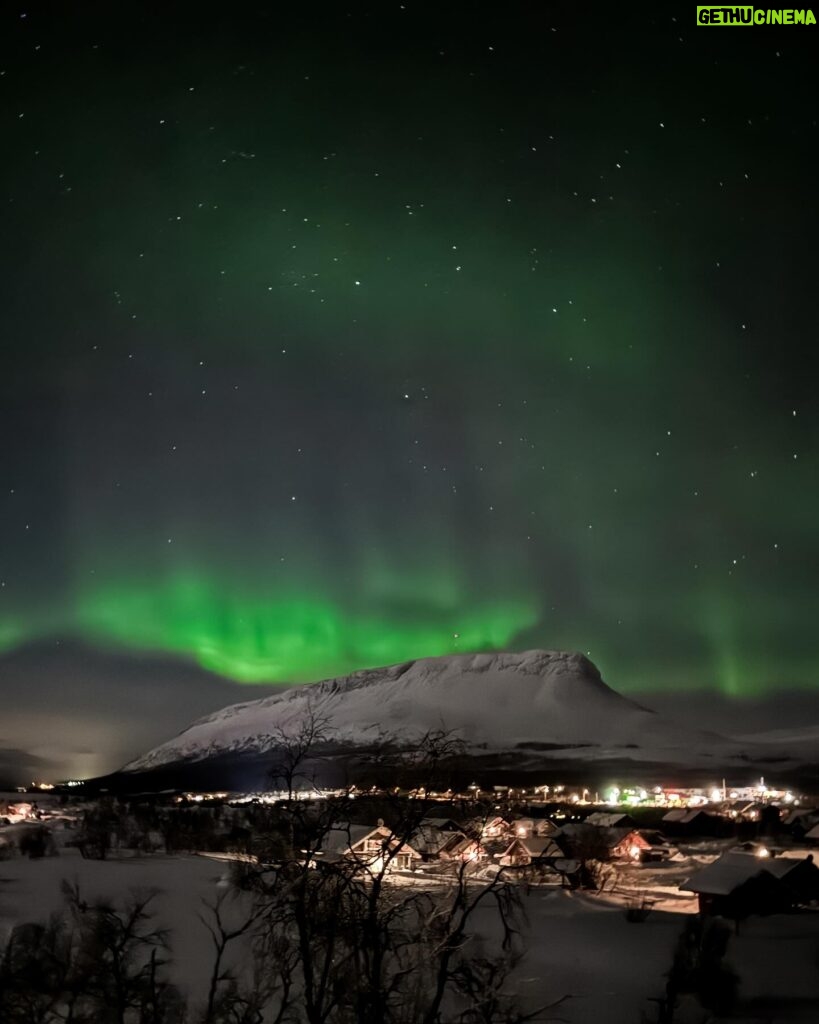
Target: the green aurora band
(306, 376)
(263, 640)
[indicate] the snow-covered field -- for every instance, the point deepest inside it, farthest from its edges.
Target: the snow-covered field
(30, 891)
(578, 945)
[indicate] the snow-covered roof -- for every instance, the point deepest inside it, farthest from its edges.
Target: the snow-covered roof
(538, 846)
(339, 840)
(614, 836)
(734, 869)
(445, 824)
(429, 838)
(684, 815)
(724, 875)
(607, 819)
(800, 815)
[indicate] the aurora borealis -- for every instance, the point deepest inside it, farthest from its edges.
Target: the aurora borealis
(375, 332)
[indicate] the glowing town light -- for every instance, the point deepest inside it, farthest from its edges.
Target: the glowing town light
(613, 795)
(716, 795)
(763, 851)
(634, 852)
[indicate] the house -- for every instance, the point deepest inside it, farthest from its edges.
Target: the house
(525, 851)
(372, 846)
(800, 820)
(592, 842)
(493, 827)
(428, 839)
(19, 812)
(812, 835)
(545, 827)
(443, 824)
(542, 856)
(462, 848)
(441, 839)
(691, 821)
(625, 844)
(767, 815)
(532, 827)
(738, 884)
(610, 819)
(659, 846)
(583, 841)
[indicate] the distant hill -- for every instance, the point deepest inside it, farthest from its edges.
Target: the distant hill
(533, 705)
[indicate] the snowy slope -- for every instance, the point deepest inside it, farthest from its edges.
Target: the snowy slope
(801, 744)
(493, 701)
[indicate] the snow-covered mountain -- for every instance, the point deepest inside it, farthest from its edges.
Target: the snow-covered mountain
(535, 700)
(800, 744)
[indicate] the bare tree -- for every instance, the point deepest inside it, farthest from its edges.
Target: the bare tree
(295, 748)
(94, 964)
(126, 952)
(370, 947)
(235, 999)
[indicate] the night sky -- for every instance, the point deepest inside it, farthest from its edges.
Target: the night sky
(343, 335)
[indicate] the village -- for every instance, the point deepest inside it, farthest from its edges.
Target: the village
(729, 850)
(626, 885)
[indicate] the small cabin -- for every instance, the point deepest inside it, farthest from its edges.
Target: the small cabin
(526, 851)
(610, 819)
(492, 828)
(737, 885)
(692, 821)
(374, 847)
(626, 844)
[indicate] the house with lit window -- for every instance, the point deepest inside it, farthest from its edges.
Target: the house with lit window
(626, 844)
(374, 847)
(492, 828)
(525, 851)
(441, 839)
(463, 848)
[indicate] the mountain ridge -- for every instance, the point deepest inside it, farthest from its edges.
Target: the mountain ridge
(495, 701)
